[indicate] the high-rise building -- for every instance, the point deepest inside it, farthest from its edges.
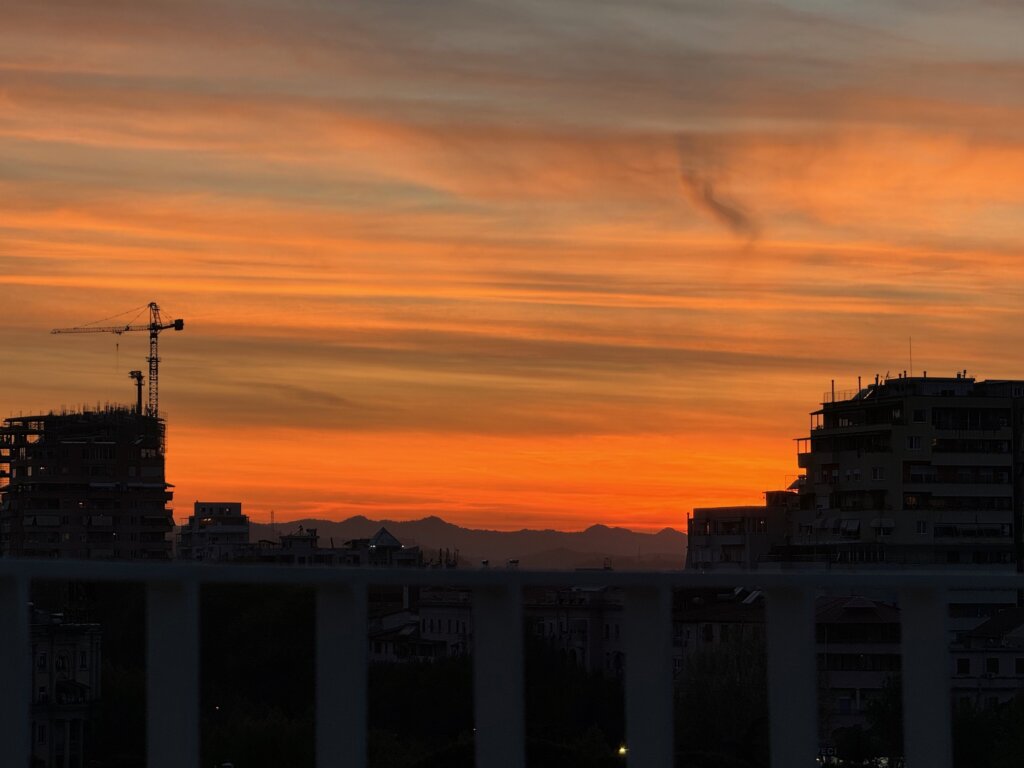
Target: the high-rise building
(913, 470)
(906, 471)
(84, 484)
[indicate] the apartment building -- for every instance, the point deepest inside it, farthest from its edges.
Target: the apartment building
(912, 471)
(988, 661)
(66, 677)
(739, 536)
(216, 531)
(84, 484)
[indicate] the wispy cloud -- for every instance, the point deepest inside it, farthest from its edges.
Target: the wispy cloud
(453, 254)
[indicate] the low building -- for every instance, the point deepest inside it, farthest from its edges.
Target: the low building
(739, 537)
(65, 689)
(217, 531)
(988, 661)
(446, 617)
(302, 547)
(584, 624)
(857, 643)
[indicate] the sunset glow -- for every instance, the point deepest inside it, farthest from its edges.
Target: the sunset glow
(532, 264)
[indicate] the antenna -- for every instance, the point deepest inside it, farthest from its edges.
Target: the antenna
(910, 345)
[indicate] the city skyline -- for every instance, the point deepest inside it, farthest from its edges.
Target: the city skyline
(529, 265)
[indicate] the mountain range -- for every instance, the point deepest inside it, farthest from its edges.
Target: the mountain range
(595, 547)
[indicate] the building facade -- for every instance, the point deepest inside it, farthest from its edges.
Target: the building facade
(739, 536)
(913, 471)
(84, 484)
(66, 676)
(217, 531)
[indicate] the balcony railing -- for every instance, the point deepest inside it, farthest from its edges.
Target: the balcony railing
(341, 655)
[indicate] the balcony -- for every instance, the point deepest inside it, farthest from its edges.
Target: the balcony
(342, 653)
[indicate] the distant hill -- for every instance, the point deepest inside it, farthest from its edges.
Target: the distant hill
(547, 549)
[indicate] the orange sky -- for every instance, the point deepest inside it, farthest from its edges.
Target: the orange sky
(516, 264)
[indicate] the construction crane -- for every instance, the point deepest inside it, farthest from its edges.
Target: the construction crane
(155, 326)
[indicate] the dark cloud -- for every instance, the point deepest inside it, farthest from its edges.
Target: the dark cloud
(699, 171)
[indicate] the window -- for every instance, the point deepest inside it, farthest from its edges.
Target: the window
(878, 473)
(922, 526)
(914, 442)
(963, 666)
(41, 733)
(920, 415)
(1018, 665)
(992, 665)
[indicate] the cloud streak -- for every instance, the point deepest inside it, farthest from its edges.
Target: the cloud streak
(475, 259)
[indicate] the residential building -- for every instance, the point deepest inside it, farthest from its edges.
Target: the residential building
(216, 531)
(988, 661)
(446, 618)
(739, 536)
(583, 623)
(913, 471)
(857, 644)
(84, 484)
(65, 689)
(302, 547)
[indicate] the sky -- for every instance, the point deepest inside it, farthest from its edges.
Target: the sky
(530, 263)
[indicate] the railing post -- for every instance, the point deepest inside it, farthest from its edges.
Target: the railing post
(498, 677)
(15, 671)
(927, 742)
(341, 669)
(649, 715)
(172, 674)
(792, 678)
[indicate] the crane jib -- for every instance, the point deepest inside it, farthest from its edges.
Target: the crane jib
(154, 327)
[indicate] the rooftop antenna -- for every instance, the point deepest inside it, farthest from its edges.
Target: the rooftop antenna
(910, 345)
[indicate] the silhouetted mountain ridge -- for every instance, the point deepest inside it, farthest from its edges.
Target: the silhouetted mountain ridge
(592, 547)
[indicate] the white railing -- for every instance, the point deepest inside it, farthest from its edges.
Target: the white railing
(341, 655)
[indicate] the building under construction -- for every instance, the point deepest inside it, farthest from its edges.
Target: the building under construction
(84, 484)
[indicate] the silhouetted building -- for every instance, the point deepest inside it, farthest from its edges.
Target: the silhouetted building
(380, 550)
(583, 623)
(988, 661)
(906, 471)
(84, 484)
(215, 532)
(65, 689)
(739, 536)
(303, 548)
(913, 470)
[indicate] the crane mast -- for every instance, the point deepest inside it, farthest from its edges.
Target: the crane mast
(155, 326)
